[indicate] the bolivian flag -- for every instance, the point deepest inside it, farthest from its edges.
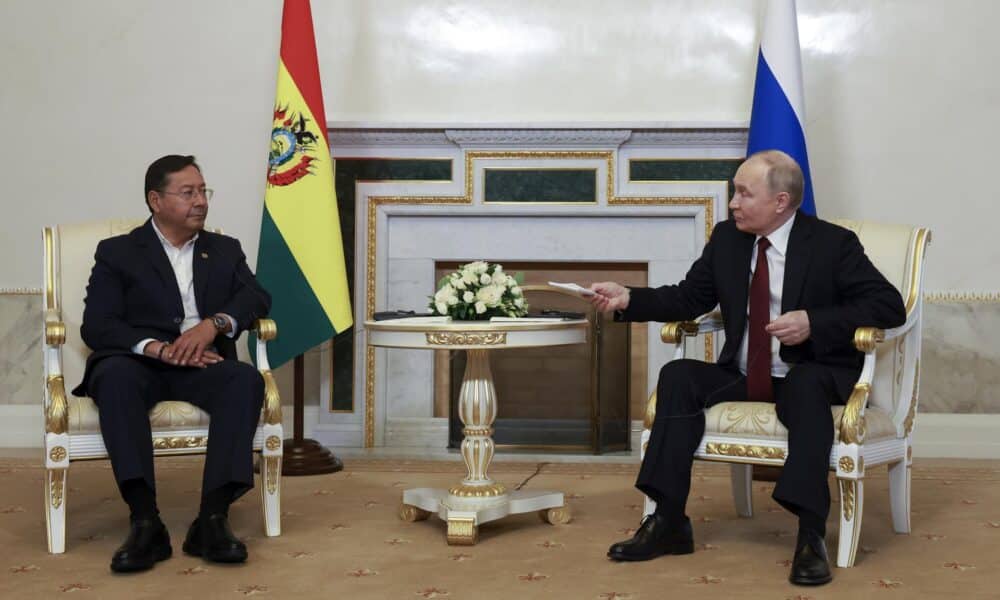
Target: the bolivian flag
(301, 256)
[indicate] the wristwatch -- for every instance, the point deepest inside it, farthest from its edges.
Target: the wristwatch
(221, 323)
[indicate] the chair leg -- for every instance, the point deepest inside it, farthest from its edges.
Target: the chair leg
(742, 479)
(55, 509)
(899, 495)
(270, 490)
(648, 504)
(851, 508)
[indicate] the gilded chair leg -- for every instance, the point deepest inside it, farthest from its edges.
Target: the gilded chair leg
(742, 479)
(55, 509)
(899, 495)
(851, 505)
(270, 489)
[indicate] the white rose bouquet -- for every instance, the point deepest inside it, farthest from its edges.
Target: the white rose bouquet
(479, 290)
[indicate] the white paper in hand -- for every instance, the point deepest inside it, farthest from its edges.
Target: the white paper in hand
(572, 287)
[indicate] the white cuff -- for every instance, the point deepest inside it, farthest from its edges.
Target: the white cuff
(141, 346)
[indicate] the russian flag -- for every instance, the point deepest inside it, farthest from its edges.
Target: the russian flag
(778, 115)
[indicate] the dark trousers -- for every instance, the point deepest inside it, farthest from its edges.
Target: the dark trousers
(802, 402)
(125, 388)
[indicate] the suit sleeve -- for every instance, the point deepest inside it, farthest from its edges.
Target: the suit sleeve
(248, 300)
(694, 296)
(864, 299)
(104, 326)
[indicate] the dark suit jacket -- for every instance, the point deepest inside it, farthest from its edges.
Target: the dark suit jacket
(133, 295)
(826, 274)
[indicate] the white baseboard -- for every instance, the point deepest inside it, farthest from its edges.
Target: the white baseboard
(935, 435)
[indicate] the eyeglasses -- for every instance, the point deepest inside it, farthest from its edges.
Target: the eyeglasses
(190, 195)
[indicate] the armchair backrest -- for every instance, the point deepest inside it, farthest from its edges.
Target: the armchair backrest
(898, 252)
(68, 260)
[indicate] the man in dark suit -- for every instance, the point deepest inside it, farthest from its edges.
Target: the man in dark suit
(164, 306)
(792, 289)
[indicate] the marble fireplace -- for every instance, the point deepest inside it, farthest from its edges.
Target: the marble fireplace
(609, 196)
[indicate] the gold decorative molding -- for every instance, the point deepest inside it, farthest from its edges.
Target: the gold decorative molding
(272, 465)
(962, 297)
(861, 465)
(272, 443)
(478, 491)
(911, 415)
(412, 514)
(50, 270)
(559, 515)
(266, 329)
(57, 412)
(467, 338)
(848, 488)
(272, 399)
(917, 267)
(55, 333)
(745, 451)
(56, 486)
(20, 291)
(866, 338)
(846, 464)
(462, 531)
(180, 442)
(57, 453)
(370, 397)
(852, 422)
(481, 431)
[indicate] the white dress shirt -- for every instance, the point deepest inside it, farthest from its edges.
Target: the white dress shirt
(775, 255)
(182, 262)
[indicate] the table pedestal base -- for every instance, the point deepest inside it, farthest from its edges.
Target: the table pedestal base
(465, 515)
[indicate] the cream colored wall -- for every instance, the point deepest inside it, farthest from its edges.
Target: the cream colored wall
(899, 96)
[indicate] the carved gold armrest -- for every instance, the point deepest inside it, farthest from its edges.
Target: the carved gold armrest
(265, 329)
(852, 422)
(57, 412)
(674, 332)
(866, 338)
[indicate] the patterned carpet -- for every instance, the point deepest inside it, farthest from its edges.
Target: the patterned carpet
(342, 538)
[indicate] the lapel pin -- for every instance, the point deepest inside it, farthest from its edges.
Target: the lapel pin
(204, 254)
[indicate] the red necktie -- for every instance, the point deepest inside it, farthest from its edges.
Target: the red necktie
(759, 342)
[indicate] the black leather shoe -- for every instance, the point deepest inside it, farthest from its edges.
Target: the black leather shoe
(147, 543)
(810, 565)
(212, 539)
(655, 537)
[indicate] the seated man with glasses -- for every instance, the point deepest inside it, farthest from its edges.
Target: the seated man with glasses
(164, 306)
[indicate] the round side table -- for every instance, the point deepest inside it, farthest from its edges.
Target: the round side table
(477, 499)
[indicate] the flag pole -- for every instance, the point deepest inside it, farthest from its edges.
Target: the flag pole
(303, 456)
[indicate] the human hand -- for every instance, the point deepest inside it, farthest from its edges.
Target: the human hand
(609, 296)
(189, 348)
(791, 328)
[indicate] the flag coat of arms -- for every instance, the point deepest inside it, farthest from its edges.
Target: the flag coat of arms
(301, 255)
(777, 120)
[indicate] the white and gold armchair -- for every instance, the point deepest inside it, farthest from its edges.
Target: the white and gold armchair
(874, 428)
(72, 431)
